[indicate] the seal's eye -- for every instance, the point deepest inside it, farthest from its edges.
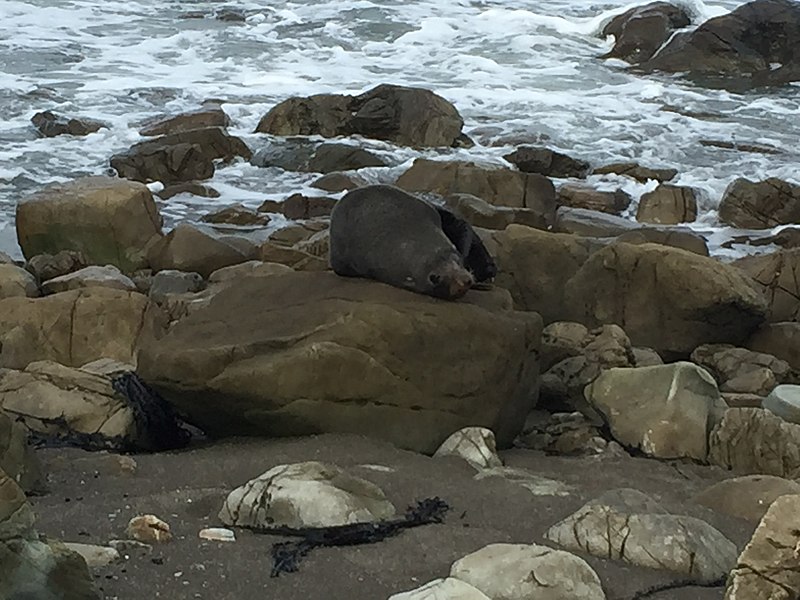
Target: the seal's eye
(435, 279)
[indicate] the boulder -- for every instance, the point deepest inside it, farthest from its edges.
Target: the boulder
(740, 47)
(76, 327)
(781, 340)
(174, 282)
(566, 434)
(289, 154)
(447, 588)
(259, 360)
(17, 459)
(479, 213)
(339, 182)
(755, 441)
(666, 411)
(642, 30)
(298, 206)
(563, 339)
(747, 497)
(681, 238)
(627, 525)
(342, 157)
(742, 371)
(476, 445)
(668, 205)
(294, 233)
(784, 401)
(236, 214)
(767, 567)
(537, 159)
(107, 220)
(664, 298)
(203, 118)
(309, 494)
(591, 223)
(522, 571)
(177, 157)
(192, 249)
(778, 277)
(191, 187)
(760, 204)
(586, 197)
(636, 171)
(51, 125)
(498, 186)
(251, 268)
(32, 566)
(16, 281)
(270, 252)
(108, 276)
(50, 266)
(404, 115)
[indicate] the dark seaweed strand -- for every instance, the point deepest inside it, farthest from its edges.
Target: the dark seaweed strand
(286, 556)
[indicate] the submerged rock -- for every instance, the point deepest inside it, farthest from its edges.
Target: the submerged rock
(50, 125)
(533, 159)
(642, 30)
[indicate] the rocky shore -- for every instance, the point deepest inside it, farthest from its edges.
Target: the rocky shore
(616, 417)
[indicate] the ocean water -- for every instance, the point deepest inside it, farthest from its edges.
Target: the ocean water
(524, 68)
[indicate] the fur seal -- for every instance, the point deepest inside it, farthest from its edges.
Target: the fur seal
(384, 233)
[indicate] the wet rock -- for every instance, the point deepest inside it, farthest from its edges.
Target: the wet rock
(590, 223)
(107, 220)
(178, 157)
(747, 497)
(581, 196)
(685, 287)
(148, 529)
(51, 125)
(32, 566)
(784, 401)
(668, 205)
(342, 157)
(642, 30)
(683, 239)
(192, 249)
(627, 525)
(95, 556)
(49, 266)
(497, 186)
(403, 115)
(59, 401)
(289, 154)
(480, 213)
(665, 411)
(309, 494)
(17, 459)
(339, 182)
(476, 445)
(236, 215)
(203, 118)
(16, 281)
(270, 252)
(191, 187)
(298, 206)
(636, 171)
(533, 159)
(778, 277)
(76, 327)
(108, 276)
(760, 204)
(448, 588)
(561, 340)
(360, 349)
(754, 441)
(566, 434)
(521, 571)
(171, 281)
(217, 534)
(767, 566)
(781, 340)
(230, 15)
(742, 371)
(527, 479)
(740, 47)
(563, 384)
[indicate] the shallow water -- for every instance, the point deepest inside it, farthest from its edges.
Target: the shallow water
(531, 70)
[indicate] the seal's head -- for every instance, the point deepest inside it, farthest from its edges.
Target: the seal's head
(447, 278)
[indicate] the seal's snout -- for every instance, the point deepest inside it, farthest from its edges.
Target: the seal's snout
(451, 282)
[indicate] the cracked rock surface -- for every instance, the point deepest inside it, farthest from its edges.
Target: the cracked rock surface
(628, 525)
(476, 445)
(522, 571)
(778, 276)
(309, 494)
(768, 566)
(446, 588)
